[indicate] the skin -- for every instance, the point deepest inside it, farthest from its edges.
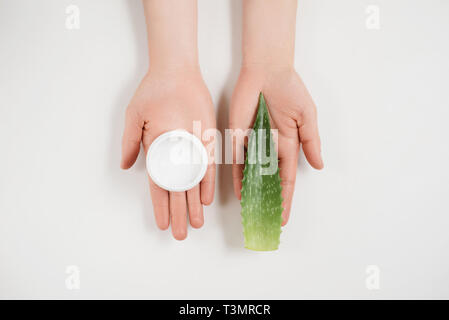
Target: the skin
(268, 67)
(171, 96)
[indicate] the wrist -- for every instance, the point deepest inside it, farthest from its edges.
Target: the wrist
(172, 56)
(268, 36)
(174, 67)
(172, 35)
(266, 67)
(174, 73)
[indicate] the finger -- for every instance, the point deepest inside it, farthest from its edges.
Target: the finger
(238, 159)
(310, 138)
(241, 119)
(208, 185)
(178, 213)
(195, 207)
(237, 176)
(239, 141)
(132, 137)
(287, 172)
(159, 198)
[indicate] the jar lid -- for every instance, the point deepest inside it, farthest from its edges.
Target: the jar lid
(177, 161)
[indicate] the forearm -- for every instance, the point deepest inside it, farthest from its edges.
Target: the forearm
(269, 32)
(172, 34)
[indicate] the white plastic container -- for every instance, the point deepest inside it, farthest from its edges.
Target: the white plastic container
(177, 161)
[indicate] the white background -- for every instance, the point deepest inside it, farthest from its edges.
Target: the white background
(383, 104)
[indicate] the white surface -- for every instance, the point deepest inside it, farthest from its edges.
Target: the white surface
(176, 160)
(381, 200)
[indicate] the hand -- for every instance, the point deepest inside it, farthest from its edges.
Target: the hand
(167, 101)
(292, 112)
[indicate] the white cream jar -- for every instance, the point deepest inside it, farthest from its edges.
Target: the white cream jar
(177, 161)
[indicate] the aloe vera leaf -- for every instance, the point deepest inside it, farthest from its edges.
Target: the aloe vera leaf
(261, 187)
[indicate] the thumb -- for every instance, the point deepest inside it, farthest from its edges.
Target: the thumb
(132, 137)
(310, 138)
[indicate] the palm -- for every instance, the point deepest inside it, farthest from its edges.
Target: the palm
(292, 113)
(161, 104)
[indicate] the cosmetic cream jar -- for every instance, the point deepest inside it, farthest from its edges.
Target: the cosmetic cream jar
(177, 161)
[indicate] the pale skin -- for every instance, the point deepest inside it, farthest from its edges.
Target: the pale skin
(173, 95)
(268, 45)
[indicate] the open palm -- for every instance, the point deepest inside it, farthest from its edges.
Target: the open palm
(165, 102)
(292, 113)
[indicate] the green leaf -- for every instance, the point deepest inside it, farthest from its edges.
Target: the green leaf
(261, 187)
